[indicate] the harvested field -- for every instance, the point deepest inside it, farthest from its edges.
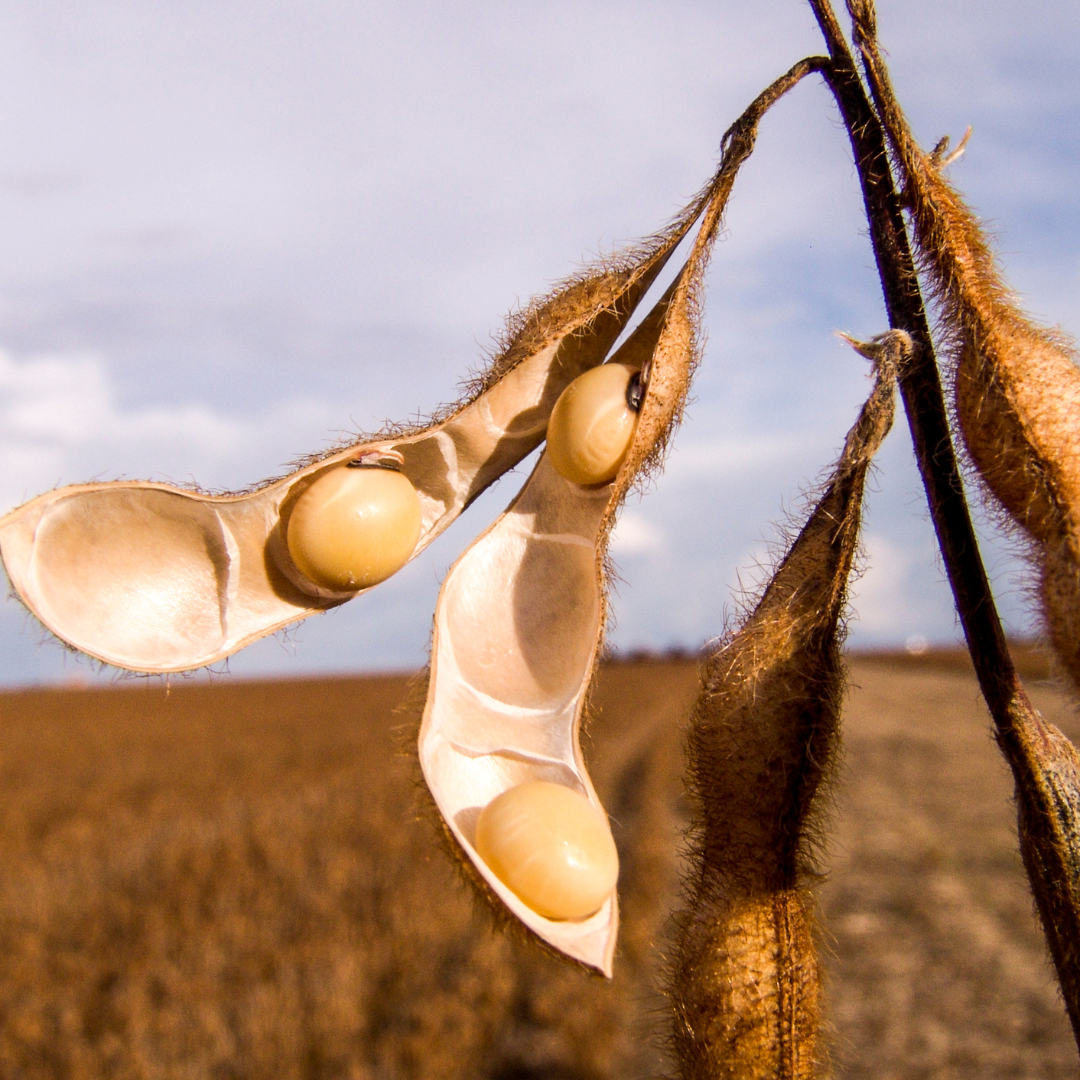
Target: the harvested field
(240, 881)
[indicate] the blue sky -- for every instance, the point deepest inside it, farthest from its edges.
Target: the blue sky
(232, 230)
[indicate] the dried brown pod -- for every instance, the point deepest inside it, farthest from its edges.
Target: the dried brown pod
(152, 577)
(520, 617)
(763, 737)
(1046, 766)
(1016, 384)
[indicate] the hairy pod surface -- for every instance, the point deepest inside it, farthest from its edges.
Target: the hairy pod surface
(520, 617)
(155, 578)
(990, 338)
(1016, 384)
(1047, 769)
(763, 737)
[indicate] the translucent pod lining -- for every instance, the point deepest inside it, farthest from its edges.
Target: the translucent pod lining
(516, 631)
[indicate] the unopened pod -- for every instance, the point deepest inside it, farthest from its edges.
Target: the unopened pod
(1017, 400)
(152, 577)
(745, 979)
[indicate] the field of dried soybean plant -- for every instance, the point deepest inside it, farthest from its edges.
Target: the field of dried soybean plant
(240, 881)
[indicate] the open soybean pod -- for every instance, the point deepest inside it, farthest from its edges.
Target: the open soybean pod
(155, 578)
(518, 630)
(1016, 384)
(763, 737)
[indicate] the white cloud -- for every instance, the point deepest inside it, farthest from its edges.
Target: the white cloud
(635, 535)
(740, 457)
(62, 420)
(882, 597)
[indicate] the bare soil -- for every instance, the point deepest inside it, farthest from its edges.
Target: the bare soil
(244, 881)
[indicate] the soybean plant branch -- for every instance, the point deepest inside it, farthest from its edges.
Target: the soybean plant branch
(920, 386)
(1044, 764)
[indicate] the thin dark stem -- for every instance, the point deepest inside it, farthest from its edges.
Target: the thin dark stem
(920, 386)
(1044, 764)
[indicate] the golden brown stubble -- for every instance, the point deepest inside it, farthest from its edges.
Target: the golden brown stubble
(1016, 384)
(763, 740)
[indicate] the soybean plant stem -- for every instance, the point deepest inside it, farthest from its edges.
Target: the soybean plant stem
(1034, 750)
(920, 383)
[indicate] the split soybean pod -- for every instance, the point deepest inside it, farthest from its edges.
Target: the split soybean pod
(520, 618)
(156, 578)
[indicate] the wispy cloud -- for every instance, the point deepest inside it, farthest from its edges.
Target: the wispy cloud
(62, 421)
(230, 231)
(635, 535)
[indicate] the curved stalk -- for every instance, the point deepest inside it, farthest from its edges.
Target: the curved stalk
(1045, 765)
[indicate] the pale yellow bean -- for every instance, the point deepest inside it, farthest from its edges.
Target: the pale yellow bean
(591, 426)
(550, 846)
(354, 527)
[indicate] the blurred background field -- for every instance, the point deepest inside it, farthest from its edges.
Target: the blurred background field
(241, 881)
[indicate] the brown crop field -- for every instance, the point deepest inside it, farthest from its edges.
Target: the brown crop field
(241, 881)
